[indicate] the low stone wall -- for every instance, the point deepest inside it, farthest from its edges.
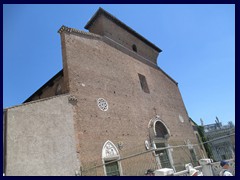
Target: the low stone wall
(40, 139)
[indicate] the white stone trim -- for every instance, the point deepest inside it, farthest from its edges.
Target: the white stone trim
(100, 102)
(152, 123)
(112, 155)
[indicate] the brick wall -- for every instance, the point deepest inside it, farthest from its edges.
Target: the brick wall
(97, 70)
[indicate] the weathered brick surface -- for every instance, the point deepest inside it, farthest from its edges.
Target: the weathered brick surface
(97, 70)
(105, 27)
(50, 91)
(101, 67)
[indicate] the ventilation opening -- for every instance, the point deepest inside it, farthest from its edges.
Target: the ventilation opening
(134, 47)
(143, 83)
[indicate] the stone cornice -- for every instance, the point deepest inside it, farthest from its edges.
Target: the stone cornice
(76, 31)
(36, 101)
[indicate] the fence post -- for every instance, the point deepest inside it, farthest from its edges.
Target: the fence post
(206, 167)
(77, 173)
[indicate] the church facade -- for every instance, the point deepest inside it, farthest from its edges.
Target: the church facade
(109, 98)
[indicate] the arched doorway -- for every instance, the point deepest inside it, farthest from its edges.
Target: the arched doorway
(160, 134)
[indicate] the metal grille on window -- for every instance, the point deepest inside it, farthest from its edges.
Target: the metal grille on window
(164, 159)
(194, 158)
(112, 168)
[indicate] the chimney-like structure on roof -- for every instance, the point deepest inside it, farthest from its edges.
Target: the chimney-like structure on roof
(108, 26)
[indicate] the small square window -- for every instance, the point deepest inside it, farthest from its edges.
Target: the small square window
(143, 83)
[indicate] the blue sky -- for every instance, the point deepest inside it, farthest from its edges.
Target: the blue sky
(198, 43)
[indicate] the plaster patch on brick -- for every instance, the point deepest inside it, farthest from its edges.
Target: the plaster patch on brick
(181, 118)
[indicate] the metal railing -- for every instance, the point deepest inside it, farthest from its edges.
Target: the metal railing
(136, 164)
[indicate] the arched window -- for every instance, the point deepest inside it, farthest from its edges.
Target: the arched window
(109, 156)
(160, 130)
(134, 48)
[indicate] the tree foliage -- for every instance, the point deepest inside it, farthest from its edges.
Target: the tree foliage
(204, 139)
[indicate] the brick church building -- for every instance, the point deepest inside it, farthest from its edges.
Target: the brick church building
(109, 101)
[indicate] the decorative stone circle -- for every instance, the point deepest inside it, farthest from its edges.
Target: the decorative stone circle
(102, 104)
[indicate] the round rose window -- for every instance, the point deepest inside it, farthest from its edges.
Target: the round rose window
(102, 104)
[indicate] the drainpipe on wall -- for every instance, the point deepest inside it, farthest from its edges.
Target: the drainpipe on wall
(4, 141)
